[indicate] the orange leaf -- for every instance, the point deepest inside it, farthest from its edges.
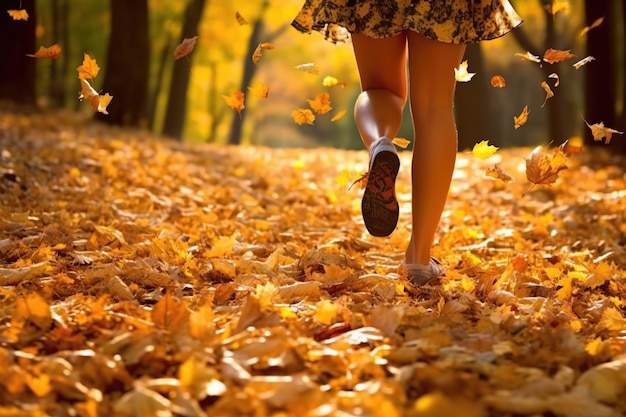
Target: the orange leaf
(258, 52)
(497, 173)
(401, 142)
(89, 69)
(522, 118)
(498, 81)
(169, 313)
(321, 103)
(599, 132)
(53, 51)
(18, 14)
(87, 92)
(552, 56)
(235, 101)
(261, 91)
(339, 115)
(558, 6)
(185, 47)
(240, 19)
(103, 102)
(543, 168)
(594, 25)
(548, 90)
(302, 116)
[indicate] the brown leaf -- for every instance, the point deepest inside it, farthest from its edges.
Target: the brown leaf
(169, 313)
(552, 56)
(522, 118)
(53, 52)
(185, 47)
(542, 168)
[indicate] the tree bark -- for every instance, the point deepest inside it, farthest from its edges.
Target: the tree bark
(58, 67)
(177, 98)
(126, 77)
(17, 71)
(158, 84)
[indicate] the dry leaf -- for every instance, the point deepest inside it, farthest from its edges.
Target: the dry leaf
(542, 168)
(552, 56)
(169, 313)
(309, 68)
(497, 173)
(583, 61)
(594, 25)
(261, 91)
(483, 150)
(329, 81)
(103, 102)
(258, 52)
(20, 14)
(522, 118)
(240, 19)
(558, 6)
(185, 47)
(53, 51)
(321, 103)
(461, 74)
(599, 132)
(498, 81)
(339, 115)
(401, 142)
(235, 101)
(89, 69)
(529, 57)
(555, 76)
(303, 116)
(548, 90)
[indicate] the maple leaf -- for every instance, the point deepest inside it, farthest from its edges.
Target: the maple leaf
(497, 173)
(53, 51)
(401, 142)
(583, 61)
(498, 81)
(309, 68)
(20, 14)
(235, 101)
(185, 47)
(599, 132)
(461, 74)
(522, 118)
(594, 25)
(529, 57)
(552, 56)
(542, 168)
(103, 102)
(302, 116)
(87, 92)
(89, 69)
(321, 103)
(483, 150)
(339, 115)
(258, 52)
(240, 19)
(548, 90)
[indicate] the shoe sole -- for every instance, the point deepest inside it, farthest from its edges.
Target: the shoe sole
(379, 205)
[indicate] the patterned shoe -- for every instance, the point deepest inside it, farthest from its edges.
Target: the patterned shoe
(379, 205)
(421, 274)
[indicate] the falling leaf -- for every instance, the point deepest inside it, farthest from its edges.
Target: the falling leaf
(258, 52)
(497, 173)
(483, 150)
(185, 47)
(555, 76)
(548, 90)
(552, 56)
(309, 68)
(401, 142)
(339, 115)
(240, 19)
(235, 101)
(583, 61)
(20, 14)
(103, 102)
(558, 6)
(53, 51)
(329, 81)
(461, 74)
(529, 57)
(542, 168)
(522, 118)
(302, 116)
(498, 81)
(599, 132)
(261, 91)
(87, 92)
(594, 25)
(321, 103)
(89, 69)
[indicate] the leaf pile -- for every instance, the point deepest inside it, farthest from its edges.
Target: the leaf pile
(146, 277)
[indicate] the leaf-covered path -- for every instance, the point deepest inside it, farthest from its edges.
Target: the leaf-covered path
(143, 277)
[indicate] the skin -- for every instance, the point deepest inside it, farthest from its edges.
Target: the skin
(429, 80)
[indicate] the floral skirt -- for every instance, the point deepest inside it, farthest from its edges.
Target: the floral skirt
(450, 21)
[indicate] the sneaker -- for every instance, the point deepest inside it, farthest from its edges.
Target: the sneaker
(420, 274)
(379, 205)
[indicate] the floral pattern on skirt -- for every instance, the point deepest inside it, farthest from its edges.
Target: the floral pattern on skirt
(450, 21)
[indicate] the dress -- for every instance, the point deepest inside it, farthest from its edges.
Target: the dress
(450, 21)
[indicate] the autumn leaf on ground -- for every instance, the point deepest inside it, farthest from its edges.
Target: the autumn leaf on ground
(483, 150)
(583, 61)
(552, 56)
(169, 313)
(401, 142)
(20, 14)
(522, 118)
(542, 167)
(548, 90)
(339, 115)
(261, 91)
(53, 51)
(185, 47)
(302, 116)
(497, 173)
(558, 6)
(240, 19)
(309, 68)
(329, 81)
(89, 69)
(235, 101)
(529, 57)
(498, 81)
(594, 25)
(599, 132)
(461, 74)
(258, 52)
(321, 103)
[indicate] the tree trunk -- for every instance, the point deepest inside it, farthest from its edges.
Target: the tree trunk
(58, 67)
(472, 103)
(621, 123)
(158, 84)
(177, 99)
(17, 71)
(126, 77)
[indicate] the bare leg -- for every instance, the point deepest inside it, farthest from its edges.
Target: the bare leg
(432, 83)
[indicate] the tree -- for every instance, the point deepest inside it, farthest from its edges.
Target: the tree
(17, 72)
(59, 67)
(126, 76)
(177, 99)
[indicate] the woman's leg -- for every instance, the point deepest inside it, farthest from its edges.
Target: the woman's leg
(431, 83)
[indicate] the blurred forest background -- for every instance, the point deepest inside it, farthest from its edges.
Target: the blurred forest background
(134, 41)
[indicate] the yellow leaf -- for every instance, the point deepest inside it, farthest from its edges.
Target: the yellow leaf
(240, 19)
(89, 69)
(326, 312)
(261, 91)
(53, 52)
(401, 142)
(20, 14)
(548, 90)
(103, 102)
(438, 404)
(599, 132)
(329, 81)
(497, 173)
(302, 116)
(483, 150)
(594, 25)
(522, 118)
(601, 275)
(543, 168)
(321, 103)
(558, 6)
(185, 47)
(461, 74)
(222, 248)
(339, 115)
(235, 101)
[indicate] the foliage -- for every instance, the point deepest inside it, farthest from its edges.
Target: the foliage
(147, 277)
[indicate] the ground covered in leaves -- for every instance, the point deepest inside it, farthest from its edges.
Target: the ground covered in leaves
(143, 277)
